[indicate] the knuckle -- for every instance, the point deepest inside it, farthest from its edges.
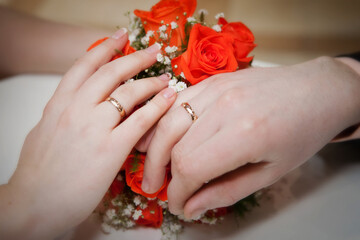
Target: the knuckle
(251, 127)
(142, 58)
(70, 118)
(159, 103)
(157, 83)
(180, 163)
(141, 120)
(126, 91)
(107, 70)
(84, 61)
(230, 99)
(165, 124)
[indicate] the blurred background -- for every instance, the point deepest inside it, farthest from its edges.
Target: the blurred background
(286, 31)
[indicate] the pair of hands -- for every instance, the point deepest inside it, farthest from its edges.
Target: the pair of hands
(254, 126)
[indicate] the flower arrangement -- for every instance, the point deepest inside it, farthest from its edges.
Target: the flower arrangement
(191, 50)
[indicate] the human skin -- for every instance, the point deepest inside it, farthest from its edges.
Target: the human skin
(30, 44)
(72, 155)
(254, 126)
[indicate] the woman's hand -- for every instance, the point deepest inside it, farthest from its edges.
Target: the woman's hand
(254, 126)
(70, 158)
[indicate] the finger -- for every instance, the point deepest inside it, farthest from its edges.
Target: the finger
(108, 77)
(129, 95)
(170, 129)
(208, 161)
(229, 189)
(183, 96)
(143, 144)
(87, 65)
(135, 126)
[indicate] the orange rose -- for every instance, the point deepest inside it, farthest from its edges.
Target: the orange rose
(243, 40)
(208, 53)
(165, 12)
(127, 49)
(134, 169)
(152, 216)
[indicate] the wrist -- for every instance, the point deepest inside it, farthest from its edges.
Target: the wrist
(13, 214)
(19, 218)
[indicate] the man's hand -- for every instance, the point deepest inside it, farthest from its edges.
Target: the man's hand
(254, 126)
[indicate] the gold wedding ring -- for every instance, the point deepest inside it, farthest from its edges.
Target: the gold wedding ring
(188, 108)
(118, 106)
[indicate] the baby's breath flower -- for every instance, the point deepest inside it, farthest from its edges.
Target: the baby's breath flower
(110, 214)
(145, 40)
(128, 210)
(116, 222)
(106, 228)
(137, 214)
(182, 75)
(162, 28)
(180, 86)
(219, 15)
(116, 202)
(128, 81)
(134, 34)
(182, 217)
(160, 58)
(217, 28)
(203, 11)
(172, 49)
(137, 200)
(143, 205)
(150, 33)
(191, 20)
(174, 25)
(173, 82)
(167, 60)
(210, 221)
(132, 38)
(175, 227)
(163, 36)
(163, 204)
(130, 224)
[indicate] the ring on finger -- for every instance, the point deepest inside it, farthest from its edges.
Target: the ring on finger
(189, 109)
(118, 106)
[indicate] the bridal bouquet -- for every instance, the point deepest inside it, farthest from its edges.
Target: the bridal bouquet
(193, 49)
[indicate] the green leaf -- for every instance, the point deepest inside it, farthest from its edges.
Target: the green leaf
(245, 205)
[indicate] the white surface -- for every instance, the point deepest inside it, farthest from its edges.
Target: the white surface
(318, 201)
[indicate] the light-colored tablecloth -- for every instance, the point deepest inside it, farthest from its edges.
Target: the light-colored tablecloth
(318, 201)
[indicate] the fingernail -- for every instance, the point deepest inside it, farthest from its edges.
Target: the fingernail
(153, 48)
(145, 185)
(197, 214)
(119, 33)
(165, 77)
(168, 93)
